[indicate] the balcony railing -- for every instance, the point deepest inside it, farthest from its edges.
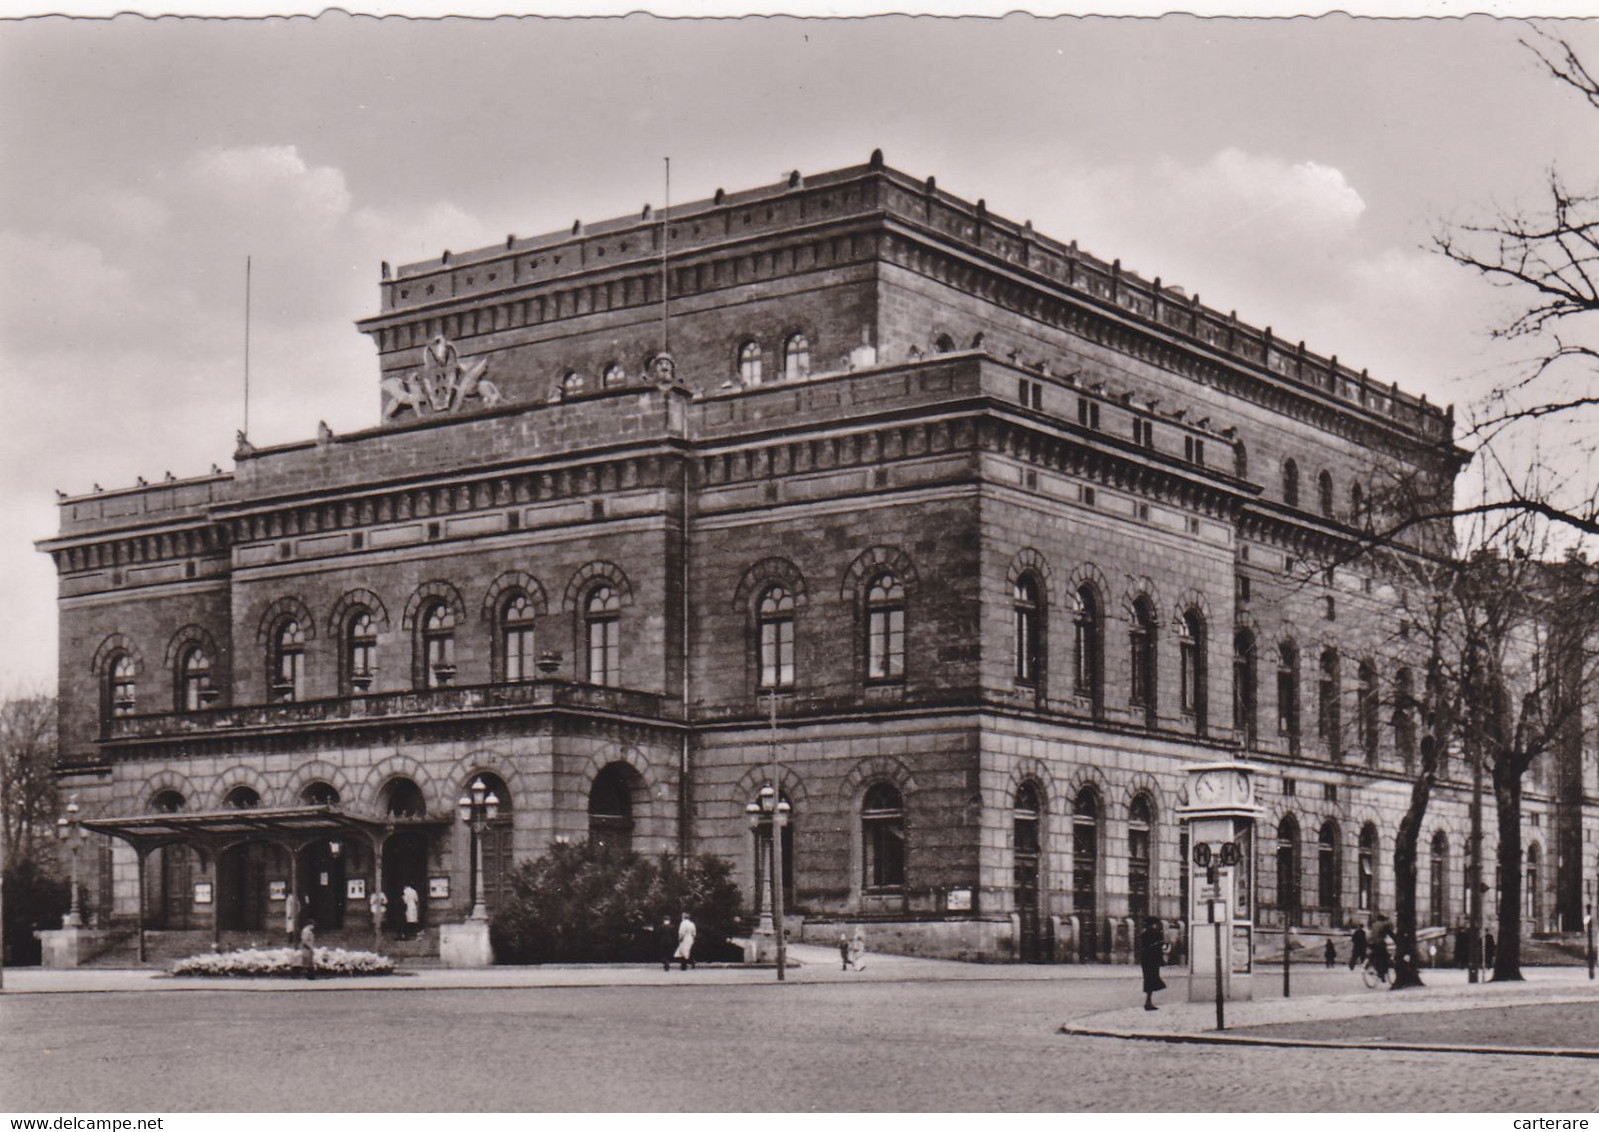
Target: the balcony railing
(466, 701)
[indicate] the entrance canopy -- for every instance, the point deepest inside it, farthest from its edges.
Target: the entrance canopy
(292, 824)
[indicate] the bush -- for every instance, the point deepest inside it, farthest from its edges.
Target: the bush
(282, 962)
(583, 903)
(34, 901)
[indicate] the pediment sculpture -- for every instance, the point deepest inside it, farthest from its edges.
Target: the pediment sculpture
(444, 384)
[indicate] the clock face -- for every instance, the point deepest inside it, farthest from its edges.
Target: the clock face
(1208, 788)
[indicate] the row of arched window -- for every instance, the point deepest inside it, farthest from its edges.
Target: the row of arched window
(1326, 502)
(794, 361)
(1403, 705)
(1330, 894)
(435, 625)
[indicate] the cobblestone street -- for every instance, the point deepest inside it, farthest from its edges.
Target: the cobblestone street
(985, 1043)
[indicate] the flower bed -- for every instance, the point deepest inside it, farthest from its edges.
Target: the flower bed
(282, 962)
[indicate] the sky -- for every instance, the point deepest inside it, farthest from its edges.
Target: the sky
(1293, 170)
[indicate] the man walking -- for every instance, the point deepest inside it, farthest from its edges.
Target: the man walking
(1357, 948)
(685, 943)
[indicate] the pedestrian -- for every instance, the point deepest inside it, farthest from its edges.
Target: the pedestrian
(665, 942)
(1330, 955)
(1381, 960)
(413, 910)
(379, 903)
(685, 943)
(1488, 949)
(1151, 953)
(843, 951)
(308, 949)
(857, 948)
(1357, 947)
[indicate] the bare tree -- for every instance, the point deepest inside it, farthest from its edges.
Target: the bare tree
(27, 776)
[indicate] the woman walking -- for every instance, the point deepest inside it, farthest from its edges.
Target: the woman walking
(1151, 953)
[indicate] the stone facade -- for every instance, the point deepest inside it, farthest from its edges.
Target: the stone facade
(870, 379)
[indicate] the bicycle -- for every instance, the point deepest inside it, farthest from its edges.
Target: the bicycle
(1371, 976)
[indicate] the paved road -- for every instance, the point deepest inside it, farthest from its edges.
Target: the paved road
(959, 1045)
(1562, 1026)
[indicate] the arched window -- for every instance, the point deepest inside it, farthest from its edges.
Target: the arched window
(168, 802)
(242, 798)
(1240, 460)
(1357, 504)
(749, 363)
(796, 358)
(883, 839)
(602, 634)
(1244, 680)
(1288, 899)
(1191, 668)
(1290, 482)
(438, 645)
(1142, 656)
(611, 808)
(1027, 843)
(319, 794)
(516, 638)
(885, 628)
(572, 383)
(1027, 630)
(1288, 693)
(402, 798)
(1534, 898)
(1438, 881)
(1088, 648)
(1324, 493)
(774, 619)
(1139, 855)
(1405, 715)
(360, 652)
(1369, 711)
(121, 688)
(1085, 868)
(612, 376)
(1329, 878)
(1329, 721)
(194, 680)
(1367, 895)
(288, 661)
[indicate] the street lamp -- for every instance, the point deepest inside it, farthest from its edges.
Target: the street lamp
(72, 832)
(767, 816)
(477, 810)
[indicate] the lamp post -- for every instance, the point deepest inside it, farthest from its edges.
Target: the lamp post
(71, 831)
(1588, 925)
(477, 810)
(767, 816)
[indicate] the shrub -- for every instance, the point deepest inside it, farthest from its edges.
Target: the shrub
(34, 900)
(583, 903)
(282, 962)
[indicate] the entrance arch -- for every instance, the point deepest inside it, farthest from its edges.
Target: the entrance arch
(405, 864)
(323, 865)
(611, 807)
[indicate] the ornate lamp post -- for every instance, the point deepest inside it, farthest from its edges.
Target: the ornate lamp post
(477, 810)
(72, 833)
(767, 815)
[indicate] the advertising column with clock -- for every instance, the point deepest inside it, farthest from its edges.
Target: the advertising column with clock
(1220, 812)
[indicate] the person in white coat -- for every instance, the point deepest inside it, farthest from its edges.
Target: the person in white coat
(413, 910)
(685, 943)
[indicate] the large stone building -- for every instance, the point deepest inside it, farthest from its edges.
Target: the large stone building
(1013, 536)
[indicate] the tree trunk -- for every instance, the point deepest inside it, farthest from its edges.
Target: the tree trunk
(1507, 804)
(1407, 968)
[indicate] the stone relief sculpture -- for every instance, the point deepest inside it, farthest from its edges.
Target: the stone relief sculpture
(444, 384)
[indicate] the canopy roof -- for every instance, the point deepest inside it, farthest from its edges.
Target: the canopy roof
(219, 826)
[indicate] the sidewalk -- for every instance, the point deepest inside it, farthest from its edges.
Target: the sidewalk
(809, 964)
(1447, 990)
